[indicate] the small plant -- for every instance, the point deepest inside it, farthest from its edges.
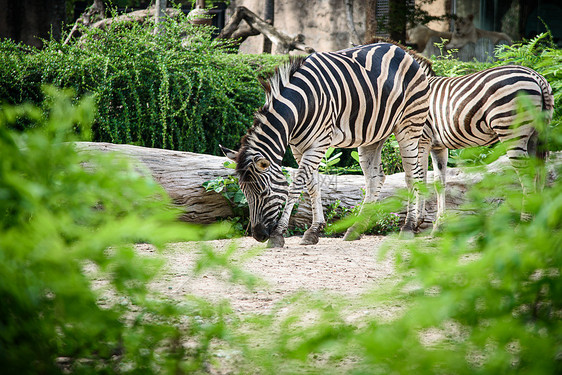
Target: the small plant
(329, 161)
(336, 211)
(447, 65)
(382, 220)
(229, 188)
(388, 222)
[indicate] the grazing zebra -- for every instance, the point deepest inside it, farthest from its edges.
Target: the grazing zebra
(480, 109)
(356, 97)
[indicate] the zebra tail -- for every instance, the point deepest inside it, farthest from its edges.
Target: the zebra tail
(548, 107)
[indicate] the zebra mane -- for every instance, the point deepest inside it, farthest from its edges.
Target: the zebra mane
(424, 62)
(272, 87)
(281, 77)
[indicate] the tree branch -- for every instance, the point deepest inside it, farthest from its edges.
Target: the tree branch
(283, 42)
(92, 14)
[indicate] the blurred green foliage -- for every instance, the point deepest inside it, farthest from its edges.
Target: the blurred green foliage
(69, 218)
(483, 297)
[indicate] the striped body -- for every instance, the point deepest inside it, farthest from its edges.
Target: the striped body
(351, 98)
(481, 109)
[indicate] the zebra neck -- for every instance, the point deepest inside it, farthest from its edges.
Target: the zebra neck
(269, 141)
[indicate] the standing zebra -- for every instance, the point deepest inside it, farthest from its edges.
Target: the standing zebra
(355, 97)
(480, 109)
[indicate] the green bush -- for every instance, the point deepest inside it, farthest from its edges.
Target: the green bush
(178, 90)
(69, 218)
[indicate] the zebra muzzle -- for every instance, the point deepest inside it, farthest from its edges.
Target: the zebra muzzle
(260, 232)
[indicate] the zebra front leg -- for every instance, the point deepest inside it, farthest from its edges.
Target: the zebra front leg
(439, 158)
(423, 157)
(370, 161)
(318, 222)
(276, 239)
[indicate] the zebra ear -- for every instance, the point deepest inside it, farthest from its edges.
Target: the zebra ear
(261, 163)
(231, 154)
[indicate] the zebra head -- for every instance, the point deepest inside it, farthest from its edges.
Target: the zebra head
(265, 187)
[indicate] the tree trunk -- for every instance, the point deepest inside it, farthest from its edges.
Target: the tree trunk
(182, 175)
(269, 16)
(354, 38)
(94, 13)
(370, 20)
(159, 14)
(397, 20)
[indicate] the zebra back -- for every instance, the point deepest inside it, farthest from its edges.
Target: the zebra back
(480, 108)
(425, 63)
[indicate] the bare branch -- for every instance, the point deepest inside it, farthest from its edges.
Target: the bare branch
(284, 43)
(91, 15)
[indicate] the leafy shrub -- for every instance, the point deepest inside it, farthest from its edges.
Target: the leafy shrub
(382, 221)
(68, 218)
(178, 90)
(540, 54)
(228, 187)
(486, 296)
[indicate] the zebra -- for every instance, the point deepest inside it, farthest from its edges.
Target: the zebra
(355, 97)
(480, 109)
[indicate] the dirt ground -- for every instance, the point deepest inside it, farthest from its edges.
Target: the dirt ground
(341, 268)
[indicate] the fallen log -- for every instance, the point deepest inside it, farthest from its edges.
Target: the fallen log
(182, 175)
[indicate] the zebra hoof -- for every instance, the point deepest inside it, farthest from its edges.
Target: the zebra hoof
(309, 238)
(351, 235)
(276, 240)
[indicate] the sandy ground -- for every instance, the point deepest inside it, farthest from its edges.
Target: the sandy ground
(342, 268)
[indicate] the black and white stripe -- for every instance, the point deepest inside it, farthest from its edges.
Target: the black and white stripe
(351, 98)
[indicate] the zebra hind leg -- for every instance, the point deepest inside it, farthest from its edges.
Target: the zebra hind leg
(521, 146)
(423, 157)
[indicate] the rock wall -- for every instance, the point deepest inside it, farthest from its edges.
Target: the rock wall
(322, 22)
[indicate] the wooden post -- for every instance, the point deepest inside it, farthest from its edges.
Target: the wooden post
(160, 13)
(370, 20)
(269, 17)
